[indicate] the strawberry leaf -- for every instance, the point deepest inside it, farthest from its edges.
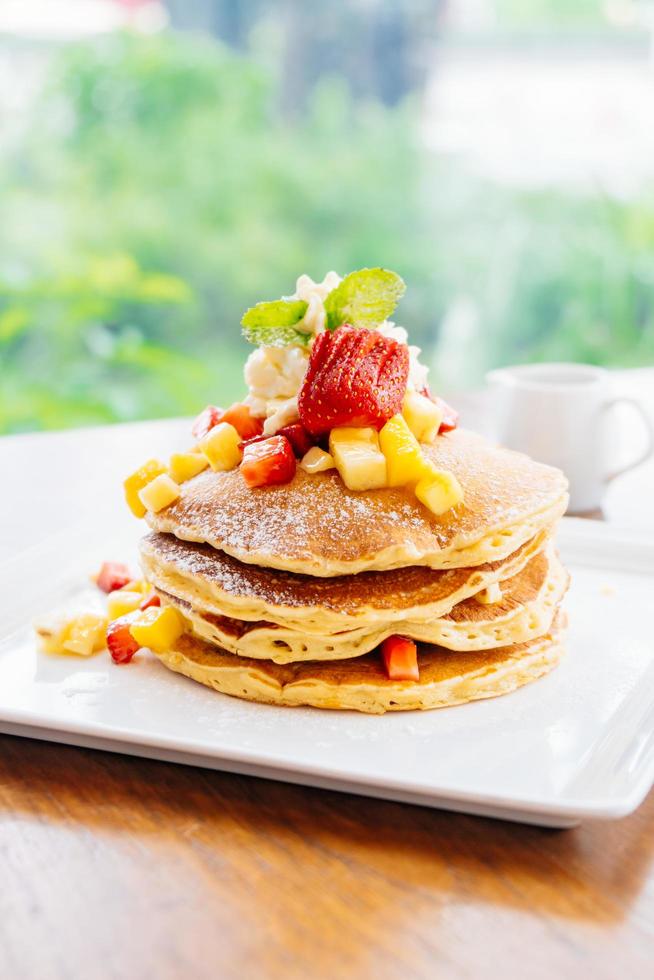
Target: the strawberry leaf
(274, 323)
(364, 298)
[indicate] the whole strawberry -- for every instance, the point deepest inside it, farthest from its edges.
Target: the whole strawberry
(356, 377)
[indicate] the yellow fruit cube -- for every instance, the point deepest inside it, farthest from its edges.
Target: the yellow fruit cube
(81, 634)
(159, 493)
(221, 447)
(135, 483)
(316, 460)
(422, 416)
(53, 632)
(137, 585)
(184, 466)
(123, 601)
(404, 459)
(86, 634)
(358, 458)
(440, 491)
(157, 628)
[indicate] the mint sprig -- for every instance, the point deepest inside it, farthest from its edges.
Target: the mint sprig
(364, 298)
(274, 323)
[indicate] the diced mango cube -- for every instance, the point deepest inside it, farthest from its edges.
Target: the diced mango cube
(86, 634)
(52, 632)
(82, 634)
(159, 493)
(404, 458)
(358, 458)
(422, 416)
(137, 585)
(316, 460)
(221, 447)
(440, 491)
(184, 466)
(123, 601)
(135, 483)
(157, 627)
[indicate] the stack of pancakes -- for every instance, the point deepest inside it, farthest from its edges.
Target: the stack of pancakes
(288, 591)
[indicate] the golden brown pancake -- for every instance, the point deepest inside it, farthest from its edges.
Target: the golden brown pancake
(316, 526)
(526, 609)
(446, 678)
(216, 583)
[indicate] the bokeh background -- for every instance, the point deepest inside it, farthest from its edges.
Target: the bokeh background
(164, 165)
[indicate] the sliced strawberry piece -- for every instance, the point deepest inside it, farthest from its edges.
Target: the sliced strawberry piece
(356, 377)
(150, 600)
(268, 462)
(247, 426)
(113, 575)
(206, 420)
(400, 659)
(450, 415)
(300, 440)
(120, 642)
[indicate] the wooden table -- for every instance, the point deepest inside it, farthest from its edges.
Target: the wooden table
(121, 869)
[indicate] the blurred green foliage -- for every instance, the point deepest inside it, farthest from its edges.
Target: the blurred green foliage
(157, 190)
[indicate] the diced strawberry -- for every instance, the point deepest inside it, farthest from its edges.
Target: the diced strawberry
(120, 642)
(206, 420)
(267, 462)
(400, 659)
(113, 575)
(450, 415)
(247, 426)
(150, 600)
(356, 377)
(300, 440)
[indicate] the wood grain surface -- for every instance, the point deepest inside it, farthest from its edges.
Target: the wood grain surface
(112, 867)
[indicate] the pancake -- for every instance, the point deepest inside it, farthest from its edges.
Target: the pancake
(362, 685)
(526, 610)
(316, 526)
(215, 583)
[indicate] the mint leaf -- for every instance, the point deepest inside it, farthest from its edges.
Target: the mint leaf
(273, 324)
(364, 298)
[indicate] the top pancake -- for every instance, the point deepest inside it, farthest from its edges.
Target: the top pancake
(316, 526)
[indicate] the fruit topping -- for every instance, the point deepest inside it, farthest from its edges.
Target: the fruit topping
(222, 447)
(422, 415)
(135, 483)
(159, 493)
(268, 462)
(439, 492)
(400, 659)
(184, 466)
(81, 634)
(243, 421)
(356, 378)
(238, 415)
(156, 628)
(358, 458)
(150, 600)
(120, 642)
(208, 417)
(300, 440)
(317, 461)
(113, 575)
(404, 459)
(123, 601)
(450, 415)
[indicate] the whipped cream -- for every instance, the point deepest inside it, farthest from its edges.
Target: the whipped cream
(274, 375)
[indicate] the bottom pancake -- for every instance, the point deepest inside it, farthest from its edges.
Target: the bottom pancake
(446, 677)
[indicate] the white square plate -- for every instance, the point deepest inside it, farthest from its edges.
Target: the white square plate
(576, 744)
